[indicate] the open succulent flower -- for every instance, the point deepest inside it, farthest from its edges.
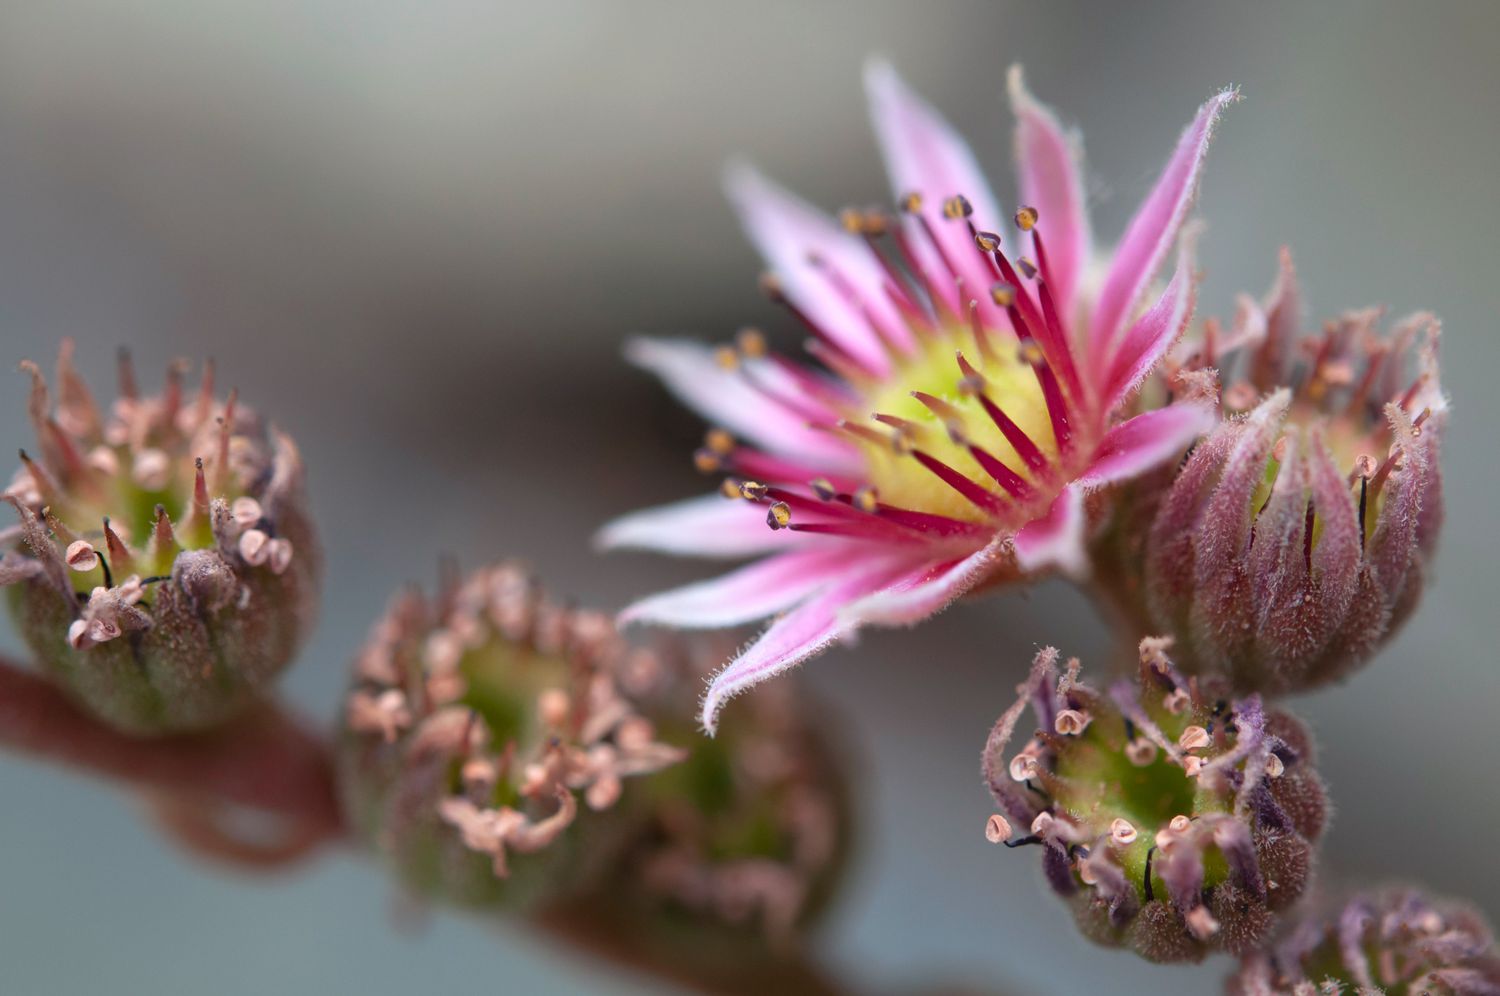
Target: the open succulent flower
(1297, 537)
(969, 401)
(505, 751)
(164, 570)
(1395, 942)
(1173, 822)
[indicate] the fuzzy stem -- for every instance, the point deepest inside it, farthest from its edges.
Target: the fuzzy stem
(265, 760)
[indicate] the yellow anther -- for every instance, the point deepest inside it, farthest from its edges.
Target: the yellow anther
(852, 220)
(988, 241)
(1026, 217)
(865, 499)
(1027, 267)
(752, 490)
(779, 515)
(706, 460)
(751, 343)
(730, 488)
(719, 441)
(911, 203)
(957, 206)
(1003, 294)
(726, 357)
(823, 488)
(1029, 352)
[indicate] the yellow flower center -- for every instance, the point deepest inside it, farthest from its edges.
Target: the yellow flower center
(929, 405)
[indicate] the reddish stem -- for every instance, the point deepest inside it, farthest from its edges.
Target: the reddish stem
(265, 760)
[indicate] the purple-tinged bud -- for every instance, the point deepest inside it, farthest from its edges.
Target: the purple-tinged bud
(1189, 847)
(1296, 537)
(1390, 941)
(165, 568)
(503, 751)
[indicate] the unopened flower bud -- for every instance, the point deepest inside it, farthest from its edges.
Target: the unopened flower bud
(166, 569)
(1281, 554)
(1386, 941)
(1171, 854)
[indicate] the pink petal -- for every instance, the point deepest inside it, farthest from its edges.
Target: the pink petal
(1056, 539)
(753, 592)
(1049, 159)
(728, 398)
(1154, 227)
(710, 526)
(928, 590)
(790, 233)
(1146, 441)
(925, 155)
(1153, 334)
(806, 630)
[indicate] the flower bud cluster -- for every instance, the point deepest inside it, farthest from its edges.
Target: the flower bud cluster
(164, 568)
(1393, 941)
(1173, 821)
(1296, 537)
(480, 724)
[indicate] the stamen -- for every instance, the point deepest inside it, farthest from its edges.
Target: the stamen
(956, 207)
(951, 417)
(1122, 832)
(823, 488)
(996, 829)
(1026, 217)
(752, 490)
(779, 515)
(719, 442)
(1193, 738)
(975, 493)
(751, 343)
(81, 556)
(1071, 722)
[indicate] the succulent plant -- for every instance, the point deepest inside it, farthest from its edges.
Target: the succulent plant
(507, 752)
(1173, 821)
(1297, 536)
(1394, 941)
(164, 569)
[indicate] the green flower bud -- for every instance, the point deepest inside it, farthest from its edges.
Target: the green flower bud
(1173, 822)
(1394, 941)
(165, 568)
(502, 751)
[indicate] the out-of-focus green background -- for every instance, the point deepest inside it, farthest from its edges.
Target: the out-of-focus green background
(417, 233)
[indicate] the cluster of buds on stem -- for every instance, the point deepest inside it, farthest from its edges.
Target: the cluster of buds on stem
(1393, 941)
(506, 751)
(1296, 537)
(164, 569)
(1173, 821)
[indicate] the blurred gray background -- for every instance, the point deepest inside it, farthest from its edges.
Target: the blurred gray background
(417, 234)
